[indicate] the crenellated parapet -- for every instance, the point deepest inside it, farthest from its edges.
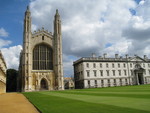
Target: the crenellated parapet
(42, 31)
(41, 58)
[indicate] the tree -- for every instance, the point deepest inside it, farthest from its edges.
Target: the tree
(11, 80)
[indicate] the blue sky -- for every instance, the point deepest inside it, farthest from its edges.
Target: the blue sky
(88, 26)
(137, 1)
(12, 14)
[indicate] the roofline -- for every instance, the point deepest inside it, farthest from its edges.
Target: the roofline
(100, 59)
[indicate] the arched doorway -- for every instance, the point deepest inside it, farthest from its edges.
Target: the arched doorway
(44, 84)
(139, 77)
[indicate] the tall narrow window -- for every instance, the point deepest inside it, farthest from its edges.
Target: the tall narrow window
(120, 81)
(42, 37)
(113, 72)
(100, 65)
(124, 65)
(119, 65)
(101, 72)
(108, 82)
(114, 82)
(94, 65)
(94, 73)
(119, 71)
(88, 73)
(95, 82)
(131, 65)
(42, 57)
(125, 72)
(126, 81)
(106, 64)
(107, 72)
(102, 83)
(87, 64)
(113, 65)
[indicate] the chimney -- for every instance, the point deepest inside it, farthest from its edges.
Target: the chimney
(145, 57)
(105, 55)
(116, 55)
(93, 55)
(126, 55)
(100, 57)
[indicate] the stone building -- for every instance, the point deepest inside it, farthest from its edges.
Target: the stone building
(41, 66)
(69, 83)
(3, 69)
(91, 72)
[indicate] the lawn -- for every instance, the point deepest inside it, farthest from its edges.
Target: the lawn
(127, 99)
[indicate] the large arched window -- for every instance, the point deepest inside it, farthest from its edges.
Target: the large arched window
(42, 57)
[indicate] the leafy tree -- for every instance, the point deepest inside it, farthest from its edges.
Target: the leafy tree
(11, 80)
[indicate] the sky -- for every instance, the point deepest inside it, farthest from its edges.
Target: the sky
(88, 26)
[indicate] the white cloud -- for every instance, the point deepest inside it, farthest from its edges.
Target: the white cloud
(4, 43)
(67, 65)
(11, 56)
(137, 29)
(88, 26)
(142, 2)
(34, 27)
(119, 48)
(143, 10)
(3, 32)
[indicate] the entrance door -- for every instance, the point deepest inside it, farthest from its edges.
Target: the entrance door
(44, 84)
(140, 77)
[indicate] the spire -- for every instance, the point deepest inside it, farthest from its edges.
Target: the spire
(27, 20)
(57, 16)
(28, 10)
(57, 12)
(57, 23)
(58, 66)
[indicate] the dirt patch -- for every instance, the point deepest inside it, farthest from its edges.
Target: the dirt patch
(15, 103)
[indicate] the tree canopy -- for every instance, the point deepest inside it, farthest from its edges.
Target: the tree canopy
(11, 80)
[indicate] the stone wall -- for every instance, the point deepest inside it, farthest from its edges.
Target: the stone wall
(2, 74)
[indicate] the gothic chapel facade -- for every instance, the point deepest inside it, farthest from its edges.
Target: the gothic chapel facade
(41, 65)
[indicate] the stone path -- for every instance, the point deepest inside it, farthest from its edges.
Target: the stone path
(15, 103)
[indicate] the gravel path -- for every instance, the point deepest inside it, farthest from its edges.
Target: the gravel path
(15, 103)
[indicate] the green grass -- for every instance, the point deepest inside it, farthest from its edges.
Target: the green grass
(128, 99)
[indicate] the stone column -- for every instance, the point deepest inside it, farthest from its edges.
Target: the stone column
(137, 78)
(143, 79)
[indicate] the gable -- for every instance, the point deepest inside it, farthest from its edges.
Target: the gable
(40, 33)
(137, 59)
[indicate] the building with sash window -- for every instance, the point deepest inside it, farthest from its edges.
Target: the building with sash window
(91, 72)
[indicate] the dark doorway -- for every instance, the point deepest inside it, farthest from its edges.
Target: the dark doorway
(140, 77)
(44, 84)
